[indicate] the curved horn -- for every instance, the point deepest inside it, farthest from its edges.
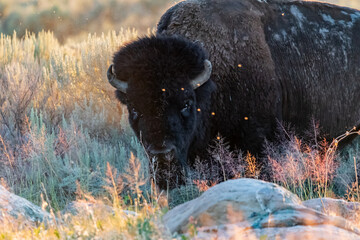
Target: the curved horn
(116, 83)
(203, 77)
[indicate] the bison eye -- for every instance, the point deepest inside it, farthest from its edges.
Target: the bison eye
(134, 114)
(185, 111)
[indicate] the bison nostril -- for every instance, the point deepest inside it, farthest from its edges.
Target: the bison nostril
(163, 149)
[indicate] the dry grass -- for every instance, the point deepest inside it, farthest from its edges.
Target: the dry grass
(94, 220)
(76, 19)
(64, 137)
(306, 171)
(58, 115)
(347, 3)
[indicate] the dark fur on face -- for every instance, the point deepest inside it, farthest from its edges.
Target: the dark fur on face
(164, 110)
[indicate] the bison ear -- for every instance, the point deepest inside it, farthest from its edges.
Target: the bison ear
(121, 96)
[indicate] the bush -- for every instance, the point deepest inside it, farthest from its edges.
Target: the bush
(59, 120)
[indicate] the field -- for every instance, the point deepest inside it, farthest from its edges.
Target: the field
(64, 137)
(345, 3)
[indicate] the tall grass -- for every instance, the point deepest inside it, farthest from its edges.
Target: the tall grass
(347, 3)
(68, 18)
(59, 121)
(305, 170)
(92, 218)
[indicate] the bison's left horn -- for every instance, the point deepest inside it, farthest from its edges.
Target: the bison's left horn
(203, 77)
(116, 83)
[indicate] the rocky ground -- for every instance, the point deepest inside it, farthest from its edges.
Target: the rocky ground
(235, 209)
(254, 209)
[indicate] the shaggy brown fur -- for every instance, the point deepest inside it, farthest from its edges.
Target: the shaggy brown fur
(273, 61)
(298, 60)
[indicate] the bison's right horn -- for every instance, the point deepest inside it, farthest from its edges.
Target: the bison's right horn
(116, 83)
(203, 77)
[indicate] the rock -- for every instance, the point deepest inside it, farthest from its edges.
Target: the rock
(13, 206)
(336, 207)
(254, 209)
(233, 200)
(238, 232)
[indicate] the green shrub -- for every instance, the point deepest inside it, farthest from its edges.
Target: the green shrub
(59, 120)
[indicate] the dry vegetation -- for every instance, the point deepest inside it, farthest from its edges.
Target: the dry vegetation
(345, 3)
(63, 137)
(78, 18)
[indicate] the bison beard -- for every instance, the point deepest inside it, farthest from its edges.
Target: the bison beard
(270, 62)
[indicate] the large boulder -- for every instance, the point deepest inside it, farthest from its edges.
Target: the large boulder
(253, 209)
(15, 207)
(336, 207)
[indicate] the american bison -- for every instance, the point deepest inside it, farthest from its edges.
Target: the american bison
(238, 68)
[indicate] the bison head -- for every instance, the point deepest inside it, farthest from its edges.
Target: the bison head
(164, 81)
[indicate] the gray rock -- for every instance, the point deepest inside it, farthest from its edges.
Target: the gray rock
(336, 207)
(234, 201)
(17, 207)
(236, 231)
(254, 208)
